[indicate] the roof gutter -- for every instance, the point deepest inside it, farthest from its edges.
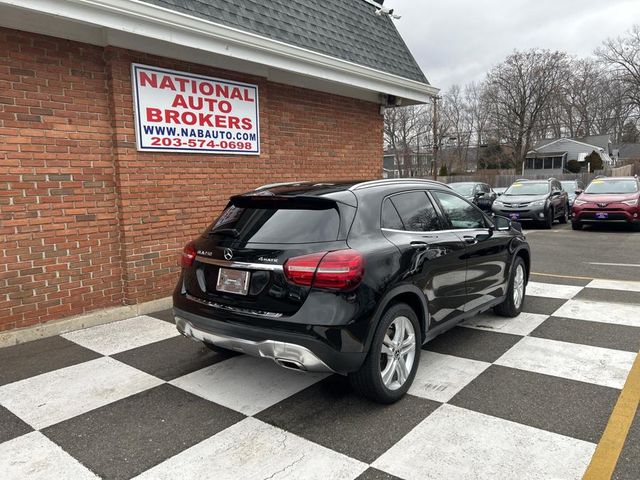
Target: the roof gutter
(158, 23)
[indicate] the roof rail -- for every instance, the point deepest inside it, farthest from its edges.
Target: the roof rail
(392, 181)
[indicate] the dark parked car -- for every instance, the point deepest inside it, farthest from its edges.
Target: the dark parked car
(476, 192)
(571, 187)
(348, 277)
(540, 201)
(608, 200)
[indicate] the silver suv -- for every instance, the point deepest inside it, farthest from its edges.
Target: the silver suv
(538, 201)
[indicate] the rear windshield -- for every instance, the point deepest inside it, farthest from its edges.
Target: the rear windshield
(528, 188)
(612, 186)
(270, 224)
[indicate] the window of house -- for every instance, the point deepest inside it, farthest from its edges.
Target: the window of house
(557, 162)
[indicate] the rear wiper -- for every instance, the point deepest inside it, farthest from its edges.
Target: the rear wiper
(228, 232)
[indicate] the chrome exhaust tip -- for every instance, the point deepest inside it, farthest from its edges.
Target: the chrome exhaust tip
(290, 364)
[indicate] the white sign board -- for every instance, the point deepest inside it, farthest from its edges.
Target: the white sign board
(184, 112)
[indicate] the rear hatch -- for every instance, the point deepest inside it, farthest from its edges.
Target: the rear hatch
(240, 257)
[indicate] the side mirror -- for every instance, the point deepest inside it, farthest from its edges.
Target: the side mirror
(579, 191)
(502, 224)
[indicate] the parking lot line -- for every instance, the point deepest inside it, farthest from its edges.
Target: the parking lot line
(627, 285)
(612, 284)
(605, 457)
(562, 276)
(615, 264)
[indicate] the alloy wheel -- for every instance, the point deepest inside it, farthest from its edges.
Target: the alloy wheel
(398, 353)
(518, 286)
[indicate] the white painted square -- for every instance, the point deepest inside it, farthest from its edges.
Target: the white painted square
(117, 337)
(552, 290)
(601, 366)
(52, 397)
(252, 449)
(605, 312)
(246, 384)
(35, 457)
(440, 377)
(523, 324)
(455, 443)
(615, 285)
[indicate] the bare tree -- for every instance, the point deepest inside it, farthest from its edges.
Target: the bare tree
(478, 107)
(455, 128)
(622, 56)
(403, 129)
(584, 87)
(613, 107)
(519, 89)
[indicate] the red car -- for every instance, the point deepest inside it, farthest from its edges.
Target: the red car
(608, 200)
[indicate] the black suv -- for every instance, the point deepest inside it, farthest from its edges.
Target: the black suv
(478, 193)
(540, 201)
(348, 277)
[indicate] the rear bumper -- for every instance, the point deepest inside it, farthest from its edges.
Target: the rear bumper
(308, 351)
(288, 355)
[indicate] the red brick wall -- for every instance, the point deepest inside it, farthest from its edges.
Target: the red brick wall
(58, 218)
(146, 205)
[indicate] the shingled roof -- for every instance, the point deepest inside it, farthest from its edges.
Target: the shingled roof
(345, 29)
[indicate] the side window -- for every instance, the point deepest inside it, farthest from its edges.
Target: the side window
(390, 217)
(461, 213)
(416, 211)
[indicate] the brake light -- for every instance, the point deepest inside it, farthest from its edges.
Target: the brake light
(339, 270)
(188, 255)
(300, 270)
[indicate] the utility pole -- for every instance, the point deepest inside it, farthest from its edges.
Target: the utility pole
(435, 137)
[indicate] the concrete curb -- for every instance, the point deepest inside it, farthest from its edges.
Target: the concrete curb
(79, 322)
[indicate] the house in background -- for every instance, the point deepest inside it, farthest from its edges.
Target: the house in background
(411, 164)
(626, 152)
(551, 156)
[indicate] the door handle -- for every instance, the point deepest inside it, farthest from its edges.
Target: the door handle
(470, 240)
(419, 245)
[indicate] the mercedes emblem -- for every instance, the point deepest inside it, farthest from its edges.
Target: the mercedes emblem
(228, 254)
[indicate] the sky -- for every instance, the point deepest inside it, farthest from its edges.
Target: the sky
(457, 41)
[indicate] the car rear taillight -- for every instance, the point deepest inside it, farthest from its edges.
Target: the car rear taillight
(339, 270)
(300, 270)
(188, 255)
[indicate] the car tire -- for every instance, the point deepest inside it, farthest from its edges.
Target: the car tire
(381, 377)
(576, 226)
(564, 219)
(548, 219)
(512, 305)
